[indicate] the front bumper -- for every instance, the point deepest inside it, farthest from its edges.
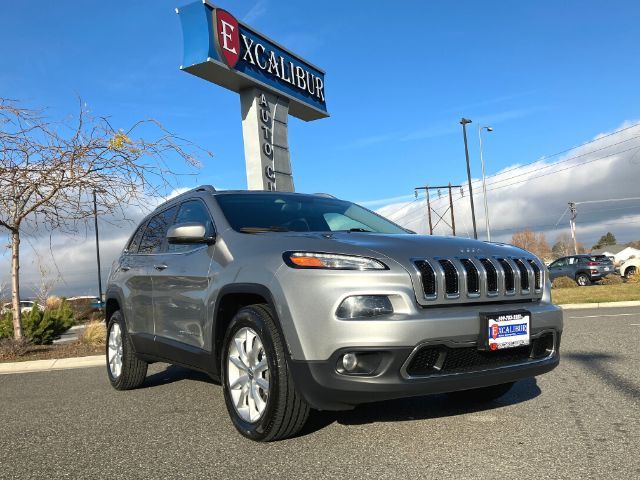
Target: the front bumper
(326, 389)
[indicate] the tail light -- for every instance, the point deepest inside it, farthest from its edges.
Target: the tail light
(593, 264)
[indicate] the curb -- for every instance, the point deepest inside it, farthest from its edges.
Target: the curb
(578, 306)
(52, 365)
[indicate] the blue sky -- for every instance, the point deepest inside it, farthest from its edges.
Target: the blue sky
(546, 75)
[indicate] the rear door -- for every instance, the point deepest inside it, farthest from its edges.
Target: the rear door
(150, 248)
(181, 281)
(132, 274)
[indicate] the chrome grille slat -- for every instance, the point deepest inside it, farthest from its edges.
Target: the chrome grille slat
(524, 275)
(508, 275)
(444, 281)
(473, 276)
(451, 277)
(537, 275)
(492, 275)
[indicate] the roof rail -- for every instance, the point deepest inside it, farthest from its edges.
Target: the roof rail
(201, 188)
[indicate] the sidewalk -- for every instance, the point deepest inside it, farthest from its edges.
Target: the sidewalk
(51, 365)
(576, 306)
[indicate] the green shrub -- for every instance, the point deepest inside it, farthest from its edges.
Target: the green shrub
(64, 314)
(43, 328)
(611, 280)
(564, 282)
(6, 325)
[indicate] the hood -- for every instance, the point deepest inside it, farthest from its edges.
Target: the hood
(404, 247)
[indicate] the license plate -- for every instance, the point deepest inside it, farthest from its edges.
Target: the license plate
(606, 269)
(502, 330)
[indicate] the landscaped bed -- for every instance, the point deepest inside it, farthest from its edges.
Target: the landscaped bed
(46, 352)
(597, 293)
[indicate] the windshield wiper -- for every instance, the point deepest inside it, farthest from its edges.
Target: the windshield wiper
(263, 229)
(358, 230)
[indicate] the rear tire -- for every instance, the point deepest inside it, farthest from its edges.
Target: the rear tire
(125, 370)
(482, 395)
(259, 390)
(582, 279)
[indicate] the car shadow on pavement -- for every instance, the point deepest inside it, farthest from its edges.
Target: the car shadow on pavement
(419, 408)
(600, 364)
(176, 373)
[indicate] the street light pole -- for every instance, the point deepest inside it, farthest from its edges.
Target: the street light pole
(484, 181)
(464, 122)
(95, 219)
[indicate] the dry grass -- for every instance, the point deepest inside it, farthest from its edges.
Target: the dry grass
(597, 293)
(94, 334)
(53, 302)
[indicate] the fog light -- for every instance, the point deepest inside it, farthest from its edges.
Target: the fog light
(364, 306)
(349, 361)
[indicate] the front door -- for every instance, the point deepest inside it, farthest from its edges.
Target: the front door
(181, 276)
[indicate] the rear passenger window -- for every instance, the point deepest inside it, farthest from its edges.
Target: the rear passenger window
(135, 240)
(192, 211)
(156, 231)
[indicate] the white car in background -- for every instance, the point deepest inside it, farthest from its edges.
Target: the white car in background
(630, 267)
(25, 306)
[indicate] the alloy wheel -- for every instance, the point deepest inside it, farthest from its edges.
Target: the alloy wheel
(248, 374)
(114, 352)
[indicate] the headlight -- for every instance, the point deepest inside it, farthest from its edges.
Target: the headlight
(364, 306)
(331, 261)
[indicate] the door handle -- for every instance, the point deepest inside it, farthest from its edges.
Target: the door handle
(125, 268)
(162, 266)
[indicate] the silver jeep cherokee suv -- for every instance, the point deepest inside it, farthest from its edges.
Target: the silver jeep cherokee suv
(299, 301)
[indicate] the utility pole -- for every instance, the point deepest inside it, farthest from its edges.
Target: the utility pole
(484, 181)
(453, 220)
(426, 188)
(572, 223)
(464, 122)
(95, 219)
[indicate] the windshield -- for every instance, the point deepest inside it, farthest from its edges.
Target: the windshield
(298, 213)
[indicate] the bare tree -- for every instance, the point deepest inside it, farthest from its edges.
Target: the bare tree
(46, 281)
(49, 171)
(564, 246)
(535, 243)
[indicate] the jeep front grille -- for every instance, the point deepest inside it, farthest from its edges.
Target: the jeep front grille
(509, 282)
(473, 279)
(451, 284)
(444, 281)
(492, 275)
(428, 277)
(524, 274)
(536, 275)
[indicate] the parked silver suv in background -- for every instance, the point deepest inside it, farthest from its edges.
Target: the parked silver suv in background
(301, 301)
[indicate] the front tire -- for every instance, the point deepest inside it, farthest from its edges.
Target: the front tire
(125, 370)
(630, 272)
(582, 279)
(259, 391)
(482, 395)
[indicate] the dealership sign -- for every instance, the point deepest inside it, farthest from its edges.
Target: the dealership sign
(227, 52)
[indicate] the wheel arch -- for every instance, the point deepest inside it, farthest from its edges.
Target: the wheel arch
(232, 298)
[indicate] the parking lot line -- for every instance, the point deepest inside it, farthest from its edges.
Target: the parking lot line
(610, 315)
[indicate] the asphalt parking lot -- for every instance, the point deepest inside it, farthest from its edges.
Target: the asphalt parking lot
(580, 421)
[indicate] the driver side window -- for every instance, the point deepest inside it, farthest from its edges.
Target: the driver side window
(192, 211)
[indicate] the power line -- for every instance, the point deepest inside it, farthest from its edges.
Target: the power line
(545, 157)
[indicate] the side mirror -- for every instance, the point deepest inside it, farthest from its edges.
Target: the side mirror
(189, 233)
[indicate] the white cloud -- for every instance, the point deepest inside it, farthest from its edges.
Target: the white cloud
(536, 195)
(258, 10)
(74, 256)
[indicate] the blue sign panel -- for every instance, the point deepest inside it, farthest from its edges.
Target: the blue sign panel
(222, 50)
